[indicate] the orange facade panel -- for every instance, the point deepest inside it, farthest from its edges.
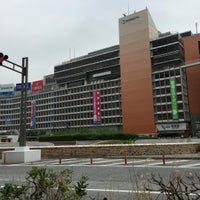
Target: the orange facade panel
(192, 54)
(193, 82)
(136, 79)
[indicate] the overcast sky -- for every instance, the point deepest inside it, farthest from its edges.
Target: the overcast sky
(52, 31)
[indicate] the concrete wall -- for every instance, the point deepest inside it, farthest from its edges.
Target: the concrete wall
(114, 150)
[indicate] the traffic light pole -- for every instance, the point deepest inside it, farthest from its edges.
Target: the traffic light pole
(24, 154)
(23, 116)
(23, 107)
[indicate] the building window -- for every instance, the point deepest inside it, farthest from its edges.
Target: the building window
(199, 46)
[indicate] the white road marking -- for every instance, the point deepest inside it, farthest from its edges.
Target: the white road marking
(130, 191)
(111, 162)
(190, 165)
(121, 191)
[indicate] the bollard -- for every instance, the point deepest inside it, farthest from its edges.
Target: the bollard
(60, 160)
(163, 157)
(91, 159)
(4, 158)
(125, 158)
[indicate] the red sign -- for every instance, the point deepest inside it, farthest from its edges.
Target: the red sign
(37, 86)
(96, 107)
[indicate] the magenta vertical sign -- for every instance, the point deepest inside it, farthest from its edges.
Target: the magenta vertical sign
(33, 115)
(96, 107)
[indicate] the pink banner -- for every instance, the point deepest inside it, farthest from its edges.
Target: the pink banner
(33, 115)
(96, 107)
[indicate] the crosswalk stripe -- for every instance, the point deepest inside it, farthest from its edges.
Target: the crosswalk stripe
(65, 161)
(161, 163)
(104, 161)
(129, 162)
(46, 162)
(112, 162)
(78, 161)
(190, 165)
(167, 162)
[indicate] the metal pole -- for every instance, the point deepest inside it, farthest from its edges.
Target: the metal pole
(163, 157)
(24, 80)
(125, 158)
(91, 159)
(25, 96)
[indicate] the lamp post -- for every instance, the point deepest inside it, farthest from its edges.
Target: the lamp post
(24, 79)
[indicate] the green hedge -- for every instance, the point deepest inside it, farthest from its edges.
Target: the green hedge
(88, 134)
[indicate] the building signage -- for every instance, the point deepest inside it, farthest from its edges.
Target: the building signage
(33, 115)
(123, 21)
(37, 86)
(102, 74)
(96, 107)
(171, 127)
(19, 86)
(173, 98)
(49, 79)
(7, 89)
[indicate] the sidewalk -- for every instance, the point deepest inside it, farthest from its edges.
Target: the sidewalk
(16, 144)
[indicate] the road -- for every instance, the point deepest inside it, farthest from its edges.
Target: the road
(111, 178)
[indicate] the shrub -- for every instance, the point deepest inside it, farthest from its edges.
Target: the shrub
(43, 183)
(90, 135)
(178, 186)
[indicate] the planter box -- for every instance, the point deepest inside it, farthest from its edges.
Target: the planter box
(21, 155)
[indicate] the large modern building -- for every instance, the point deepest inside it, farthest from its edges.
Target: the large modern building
(148, 84)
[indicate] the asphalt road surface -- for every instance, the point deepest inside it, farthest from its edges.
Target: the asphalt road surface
(111, 178)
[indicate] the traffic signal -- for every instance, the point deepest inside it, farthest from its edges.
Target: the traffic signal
(3, 58)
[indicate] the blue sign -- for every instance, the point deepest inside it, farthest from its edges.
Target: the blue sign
(7, 89)
(6, 93)
(19, 86)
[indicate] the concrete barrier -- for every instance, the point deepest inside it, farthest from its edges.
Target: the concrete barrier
(114, 150)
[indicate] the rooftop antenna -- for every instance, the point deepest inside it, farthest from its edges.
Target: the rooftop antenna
(196, 27)
(74, 52)
(70, 53)
(128, 8)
